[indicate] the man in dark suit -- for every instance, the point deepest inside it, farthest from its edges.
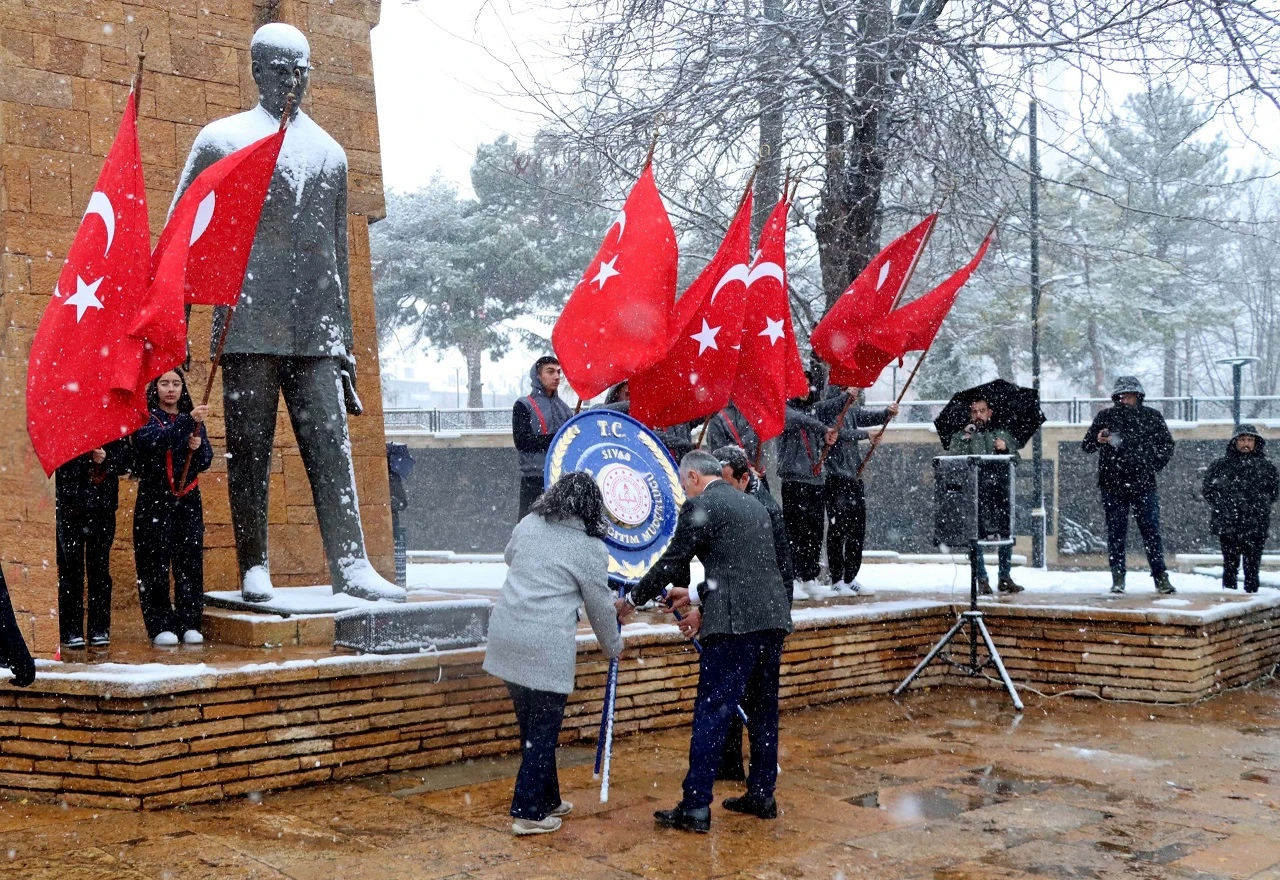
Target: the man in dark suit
(743, 615)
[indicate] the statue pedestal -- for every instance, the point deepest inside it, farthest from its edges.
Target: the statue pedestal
(316, 616)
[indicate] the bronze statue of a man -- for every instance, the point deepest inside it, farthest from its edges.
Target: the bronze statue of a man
(291, 332)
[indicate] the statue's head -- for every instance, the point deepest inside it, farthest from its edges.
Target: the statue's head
(281, 64)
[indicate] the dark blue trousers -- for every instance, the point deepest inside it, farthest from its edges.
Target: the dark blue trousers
(540, 714)
(1146, 510)
(736, 670)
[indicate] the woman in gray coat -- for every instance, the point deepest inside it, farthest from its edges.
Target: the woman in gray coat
(556, 562)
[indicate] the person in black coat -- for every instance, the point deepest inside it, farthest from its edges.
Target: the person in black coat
(14, 655)
(535, 418)
(87, 494)
(1240, 488)
(1133, 445)
(168, 520)
(743, 616)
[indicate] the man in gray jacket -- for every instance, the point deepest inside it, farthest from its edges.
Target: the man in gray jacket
(800, 449)
(742, 613)
(846, 499)
(535, 419)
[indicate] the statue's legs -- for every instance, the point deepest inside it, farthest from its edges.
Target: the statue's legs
(250, 392)
(313, 394)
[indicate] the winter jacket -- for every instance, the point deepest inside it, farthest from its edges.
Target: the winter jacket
(982, 442)
(1240, 489)
(800, 447)
(534, 422)
(730, 427)
(553, 567)
(846, 455)
(733, 537)
(1139, 447)
(83, 485)
(160, 450)
(781, 546)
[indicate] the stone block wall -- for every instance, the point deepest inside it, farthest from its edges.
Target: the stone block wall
(65, 67)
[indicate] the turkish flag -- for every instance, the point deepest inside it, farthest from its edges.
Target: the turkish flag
(72, 407)
(201, 257)
(914, 326)
(616, 322)
(769, 368)
(840, 337)
(696, 376)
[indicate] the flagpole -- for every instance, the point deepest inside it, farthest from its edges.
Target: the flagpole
(231, 310)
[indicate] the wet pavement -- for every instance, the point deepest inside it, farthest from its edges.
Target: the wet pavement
(944, 784)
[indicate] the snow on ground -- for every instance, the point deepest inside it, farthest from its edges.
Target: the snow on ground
(927, 577)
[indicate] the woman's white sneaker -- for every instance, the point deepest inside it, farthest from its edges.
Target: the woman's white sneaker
(192, 637)
(522, 827)
(165, 639)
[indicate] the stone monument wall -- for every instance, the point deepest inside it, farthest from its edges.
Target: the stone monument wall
(65, 66)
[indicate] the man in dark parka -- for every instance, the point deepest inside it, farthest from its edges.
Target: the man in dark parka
(1133, 445)
(1240, 488)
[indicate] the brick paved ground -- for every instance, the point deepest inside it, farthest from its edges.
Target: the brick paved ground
(948, 784)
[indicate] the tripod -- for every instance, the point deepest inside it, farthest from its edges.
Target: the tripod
(973, 620)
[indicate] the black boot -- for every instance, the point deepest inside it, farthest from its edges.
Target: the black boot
(1163, 585)
(1007, 585)
(761, 808)
(1117, 583)
(686, 819)
(984, 587)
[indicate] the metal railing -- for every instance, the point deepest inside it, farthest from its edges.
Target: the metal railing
(1075, 410)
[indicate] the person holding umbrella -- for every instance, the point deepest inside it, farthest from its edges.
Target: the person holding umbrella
(981, 436)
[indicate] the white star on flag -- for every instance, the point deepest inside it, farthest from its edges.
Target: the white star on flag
(706, 338)
(606, 272)
(773, 329)
(85, 297)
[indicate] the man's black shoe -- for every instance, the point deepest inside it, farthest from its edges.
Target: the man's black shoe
(685, 819)
(752, 806)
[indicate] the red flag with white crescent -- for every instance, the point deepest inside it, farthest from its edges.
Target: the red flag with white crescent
(696, 376)
(769, 370)
(840, 337)
(72, 407)
(616, 322)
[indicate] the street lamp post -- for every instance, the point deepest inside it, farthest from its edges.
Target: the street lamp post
(1237, 364)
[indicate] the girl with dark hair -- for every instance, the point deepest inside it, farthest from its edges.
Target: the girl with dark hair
(168, 520)
(556, 562)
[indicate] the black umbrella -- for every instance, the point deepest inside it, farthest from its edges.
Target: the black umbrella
(399, 460)
(1017, 410)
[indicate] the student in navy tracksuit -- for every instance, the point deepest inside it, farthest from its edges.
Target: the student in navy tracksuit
(168, 522)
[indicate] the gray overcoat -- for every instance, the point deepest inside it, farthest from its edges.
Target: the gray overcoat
(553, 567)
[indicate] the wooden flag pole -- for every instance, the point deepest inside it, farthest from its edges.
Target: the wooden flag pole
(231, 310)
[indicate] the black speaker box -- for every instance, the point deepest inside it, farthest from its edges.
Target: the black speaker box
(972, 499)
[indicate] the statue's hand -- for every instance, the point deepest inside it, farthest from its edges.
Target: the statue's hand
(347, 369)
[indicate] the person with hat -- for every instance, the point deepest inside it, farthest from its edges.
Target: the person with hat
(535, 419)
(1240, 489)
(1133, 445)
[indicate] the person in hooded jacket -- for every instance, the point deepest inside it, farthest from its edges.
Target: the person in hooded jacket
(168, 520)
(535, 419)
(1133, 445)
(846, 498)
(730, 427)
(1240, 488)
(803, 500)
(87, 494)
